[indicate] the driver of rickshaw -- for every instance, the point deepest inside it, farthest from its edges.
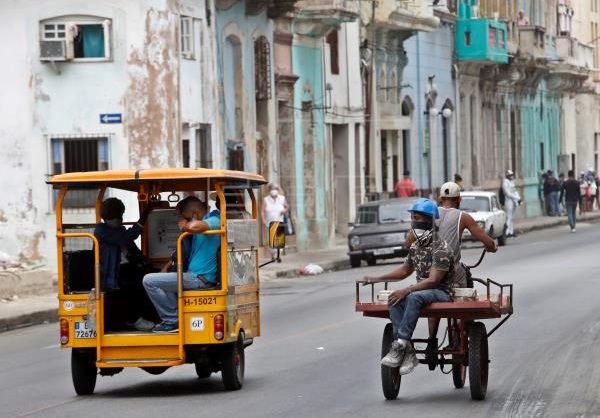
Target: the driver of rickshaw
(433, 261)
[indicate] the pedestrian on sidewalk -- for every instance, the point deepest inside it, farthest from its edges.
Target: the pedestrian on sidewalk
(274, 209)
(512, 200)
(572, 194)
(405, 187)
(551, 193)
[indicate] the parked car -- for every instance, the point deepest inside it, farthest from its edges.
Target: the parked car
(486, 211)
(379, 231)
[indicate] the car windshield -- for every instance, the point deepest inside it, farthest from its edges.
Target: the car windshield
(475, 204)
(384, 213)
(394, 212)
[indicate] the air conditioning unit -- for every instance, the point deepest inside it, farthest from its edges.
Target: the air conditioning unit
(59, 50)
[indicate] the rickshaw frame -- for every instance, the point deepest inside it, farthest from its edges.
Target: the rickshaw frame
(237, 304)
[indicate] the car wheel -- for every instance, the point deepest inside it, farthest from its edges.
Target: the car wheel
(371, 260)
(355, 261)
(502, 238)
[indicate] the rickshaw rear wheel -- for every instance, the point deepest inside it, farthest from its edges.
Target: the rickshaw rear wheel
(478, 361)
(202, 370)
(83, 371)
(459, 371)
(232, 371)
(390, 377)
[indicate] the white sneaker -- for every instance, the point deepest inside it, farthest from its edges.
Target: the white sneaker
(410, 361)
(572, 229)
(394, 356)
(143, 324)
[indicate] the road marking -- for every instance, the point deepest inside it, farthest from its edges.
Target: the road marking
(45, 408)
(48, 347)
(309, 332)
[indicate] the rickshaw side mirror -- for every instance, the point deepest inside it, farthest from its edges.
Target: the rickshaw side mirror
(276, 235)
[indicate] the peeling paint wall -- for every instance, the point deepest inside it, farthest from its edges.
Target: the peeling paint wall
(142, 80)
(150, 101)
(237, 117)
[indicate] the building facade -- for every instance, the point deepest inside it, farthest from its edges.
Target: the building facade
(95, 86)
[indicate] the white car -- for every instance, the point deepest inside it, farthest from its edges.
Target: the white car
(486, 211)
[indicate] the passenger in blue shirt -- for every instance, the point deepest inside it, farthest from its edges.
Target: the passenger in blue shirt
(202, 272)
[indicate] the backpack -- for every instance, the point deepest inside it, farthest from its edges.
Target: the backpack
(501, 196)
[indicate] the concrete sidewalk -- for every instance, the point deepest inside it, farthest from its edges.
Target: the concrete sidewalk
(33, 310)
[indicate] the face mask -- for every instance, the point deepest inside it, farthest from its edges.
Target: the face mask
(114, 223)
(421, 225)
(273, 193)
(422, 231)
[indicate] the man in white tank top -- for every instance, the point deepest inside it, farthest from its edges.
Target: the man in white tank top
(451, 224)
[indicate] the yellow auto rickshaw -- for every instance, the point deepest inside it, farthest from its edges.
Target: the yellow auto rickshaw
(215, 325)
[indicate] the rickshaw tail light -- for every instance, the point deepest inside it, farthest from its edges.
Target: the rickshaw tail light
(219, 327)
(64, 331)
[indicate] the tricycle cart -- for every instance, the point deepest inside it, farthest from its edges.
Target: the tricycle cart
(467, 337)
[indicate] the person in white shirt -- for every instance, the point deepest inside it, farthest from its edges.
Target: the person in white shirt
(512, 200)
(273, 209)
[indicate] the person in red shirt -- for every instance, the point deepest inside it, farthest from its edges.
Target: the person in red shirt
(405, 187)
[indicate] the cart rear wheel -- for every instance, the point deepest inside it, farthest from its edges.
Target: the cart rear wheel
(390, 377)
(459, 371)
(232, 371)
(83, 371)
(478, 360)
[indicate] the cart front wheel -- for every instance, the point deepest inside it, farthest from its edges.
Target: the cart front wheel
(478, 361)
(390, 377)
(459, 371)
(83, 371)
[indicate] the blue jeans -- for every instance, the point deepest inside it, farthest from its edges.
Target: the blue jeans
(554, 209)
(571, 213)
(162, 291)
(405, 314)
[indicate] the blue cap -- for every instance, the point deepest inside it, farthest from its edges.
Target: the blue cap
(425, 207)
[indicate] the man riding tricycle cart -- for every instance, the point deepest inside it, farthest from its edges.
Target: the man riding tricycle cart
(435, 295)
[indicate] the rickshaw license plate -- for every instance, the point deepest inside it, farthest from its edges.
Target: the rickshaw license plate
(84, 330)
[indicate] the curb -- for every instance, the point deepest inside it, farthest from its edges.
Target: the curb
(35, 318)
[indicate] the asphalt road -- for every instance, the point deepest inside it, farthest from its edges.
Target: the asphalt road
(318, 358)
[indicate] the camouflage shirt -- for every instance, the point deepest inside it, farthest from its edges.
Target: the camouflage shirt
(421, 259)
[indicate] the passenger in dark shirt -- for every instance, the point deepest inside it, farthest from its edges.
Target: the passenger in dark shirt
(572, 193)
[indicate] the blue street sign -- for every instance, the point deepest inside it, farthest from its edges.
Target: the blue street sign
(110, 118)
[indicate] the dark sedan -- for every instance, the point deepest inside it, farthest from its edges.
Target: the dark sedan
(379, 231)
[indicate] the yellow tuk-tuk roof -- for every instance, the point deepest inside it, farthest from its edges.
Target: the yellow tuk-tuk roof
(165, 179)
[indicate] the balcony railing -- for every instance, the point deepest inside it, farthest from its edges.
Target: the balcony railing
(573, 52)
(406, 15)
(532, 44)
(345, 9)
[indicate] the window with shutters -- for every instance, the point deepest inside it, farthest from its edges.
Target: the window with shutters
(262, 68)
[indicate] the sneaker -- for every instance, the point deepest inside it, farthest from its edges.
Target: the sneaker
(143, 324)
(165, 327)
(410, 361)
(572, 229)
(394, 356)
